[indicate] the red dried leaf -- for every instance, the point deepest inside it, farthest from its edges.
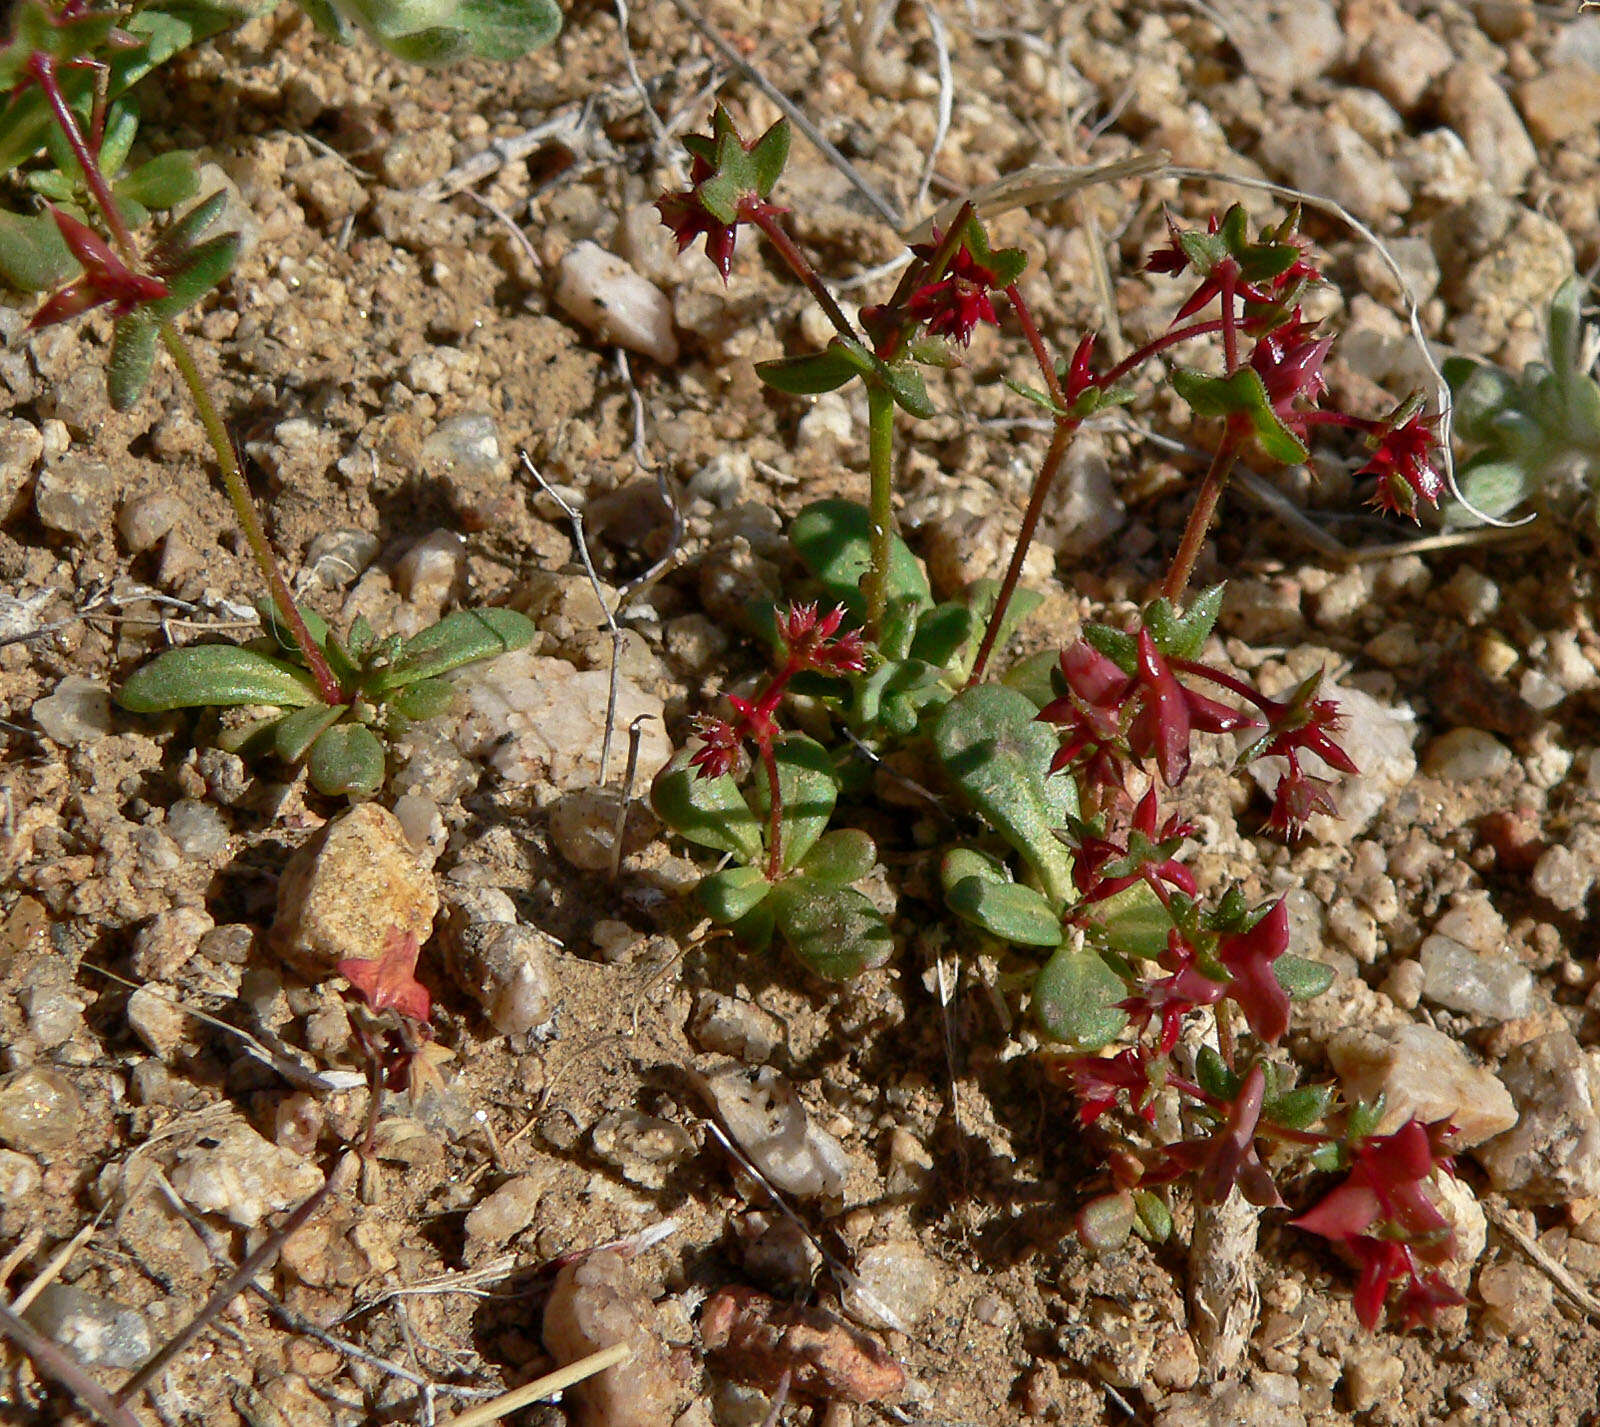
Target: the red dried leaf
(389, 980)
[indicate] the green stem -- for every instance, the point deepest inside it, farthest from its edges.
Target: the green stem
(1200, 517)
(244, 510)
(44, 71)
(880, 506)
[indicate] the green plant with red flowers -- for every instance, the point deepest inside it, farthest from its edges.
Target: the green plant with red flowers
(67, 130)
(1151, 991)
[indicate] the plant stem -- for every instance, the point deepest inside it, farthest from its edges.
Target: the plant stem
(1041, 484)
(44, 71)
(880, 504)
(245, 512)
(769, 761)
(1200, 516)
(765, 217)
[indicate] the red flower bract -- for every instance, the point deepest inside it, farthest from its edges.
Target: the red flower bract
(1402, 461)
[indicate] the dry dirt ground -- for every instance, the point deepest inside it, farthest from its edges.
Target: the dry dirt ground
(372, 308)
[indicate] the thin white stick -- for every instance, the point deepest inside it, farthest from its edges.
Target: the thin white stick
(547, 1386)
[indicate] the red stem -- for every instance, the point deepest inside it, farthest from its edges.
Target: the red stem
(1200, 517)
(765, 217)
(43, 69)
(1160, 344)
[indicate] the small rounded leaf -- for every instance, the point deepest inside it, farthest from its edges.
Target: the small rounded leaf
(1075, 999)
(732, 894)
(834, 932)
(347, 760)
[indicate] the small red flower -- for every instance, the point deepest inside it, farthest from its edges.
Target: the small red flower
(719, 746)
(1248, 956)
(1105, 866)
(1402, 461)
(1300, 724)
(1090, 716)
(687, 218)
(815, 643)
(1097, 1080)
(1169, 714)
(1289, 359)
(1227, 1158)
(105, 278)
(953, 306)
(1384, 1215)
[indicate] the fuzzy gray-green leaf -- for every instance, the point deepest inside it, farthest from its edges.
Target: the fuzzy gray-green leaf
(834, 932)
(460, 638)
(347, 760)
(215, 675)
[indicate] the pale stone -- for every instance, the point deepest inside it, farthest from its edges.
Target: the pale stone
(599, 291)
(1421, 1073)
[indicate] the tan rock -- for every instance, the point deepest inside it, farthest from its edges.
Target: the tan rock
(1422, 1072)
(345, 891)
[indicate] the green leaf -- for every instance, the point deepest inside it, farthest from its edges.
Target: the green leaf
(808, 374)
(1491, 485)
(1134, 922)
(1155, 1218)
(1075, 999)
(942, 632)
(979, 889)
(707, 811)
(348, 760)
(732, 894)
(426, 699)
(1242, 394)
(769, 154)
(835, 932)
(1301, 977)
(839, 858)
(1299, 1109)
(1214, 1076)
(808, 789)
(1033, 677)
(907, 387)
(892, 698)
(1365, 1117)
(460, 638)
(997, 754)
(203, 267)
(1120, 647)
(1184, 636)
(293, 735)
(833, 538)
(1564, 334)
(132, 359)
(163, 182)
(215, 675)
(1478, 393)
(33, 255)
(180, 237)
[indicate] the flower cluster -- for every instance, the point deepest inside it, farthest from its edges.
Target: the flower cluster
(811, 642)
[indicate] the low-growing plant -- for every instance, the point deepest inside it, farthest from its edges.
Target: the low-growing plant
(1534, 438)
(68, 130)
(1151, 991)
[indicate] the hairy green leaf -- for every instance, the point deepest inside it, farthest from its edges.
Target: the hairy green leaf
(839, 858)
(979, 889)
(732, 894)
(132, 359)
(348, 760)
(460, 638)
(708, 811)
(215, 675)
(1075, 999)
(293, 735)
(835, 932)
(1301, 977)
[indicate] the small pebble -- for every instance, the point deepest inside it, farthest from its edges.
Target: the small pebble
(40, 1110)
(79, 711)
(157, 1022)
(506, 1212)
(197, 828)
(339, 557)
(727, 1025)
(602, 293)
(94, 1330)
(1466, 755)
(505, 967)
(768, 1122)
(72, 496)
(166, 942)
(243, 1177)
(468, 443)
(895, 1285)
(645, 1148)
(430, 571)
(19, 1178)
(144, 520)
(54, 1015)
(1552, 1154)
(1517, 1296)
(1498, 987)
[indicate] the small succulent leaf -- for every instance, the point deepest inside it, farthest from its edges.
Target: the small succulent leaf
(116, 143)
(201, 269)
(329, 22)
(33, 254)
(1184, 636)
(460, 638)
(509, 29)
(1241, 394)
(296, 732)
(1106, 1221)
(769, 154)
(1478, 393)
(429, 698)
(1041, 399)
(1299, 1109)
(754, 930)
(215, 675)
(839, 858)
(360, 638)
(52, 184)
(833, 538)
(132, 359)
(1564, 333)
(962, 862)
(179, 238)
(707, 811)
(1120, 647)
(1301, 977)
(1075, 999)
(1214, 1076)
(1134, 922)
(1155, 1217)
(892, 698)
(834, 932)
(1033, 677)
(997, 753)
(347, 761)
(163, 182)
(1008, 910)
(942, 632)
(808, 788)
(810, 373)
(732, 894)
(253, 739)
(909, 390)
(1364, 1118)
